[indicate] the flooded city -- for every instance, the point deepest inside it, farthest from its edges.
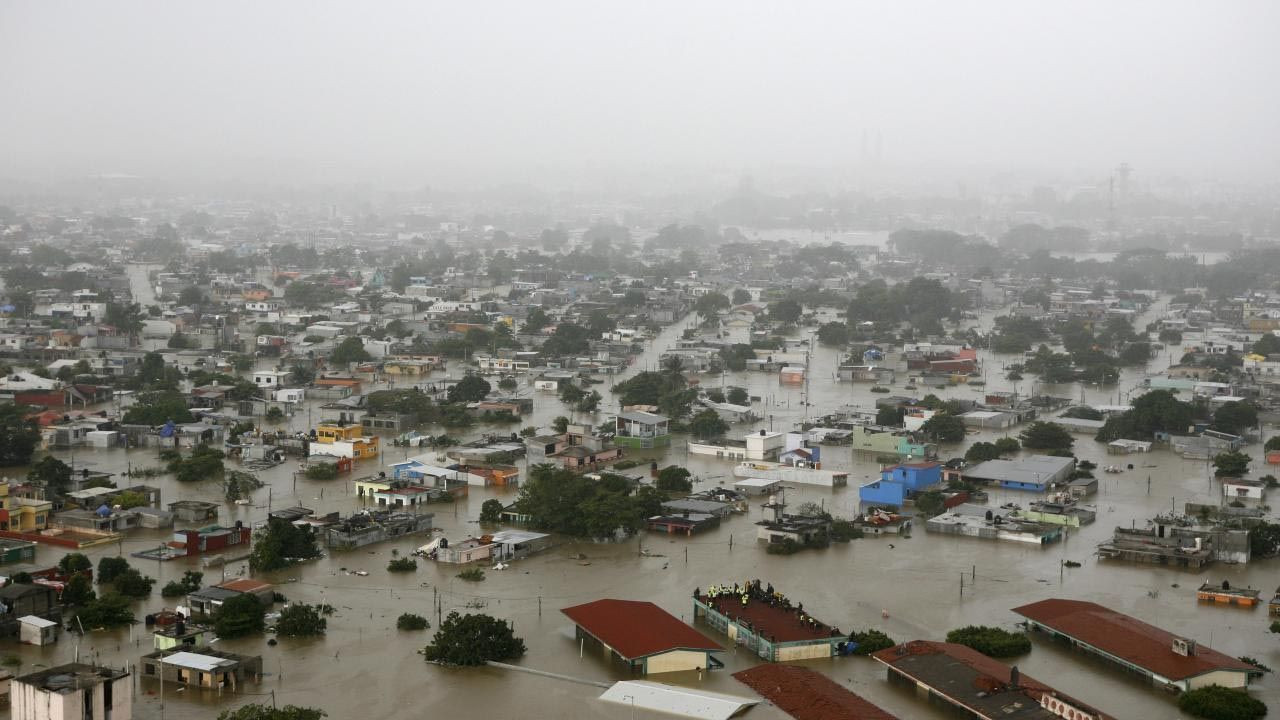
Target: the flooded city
(834, 361)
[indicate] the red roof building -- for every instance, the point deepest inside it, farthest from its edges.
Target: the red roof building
(806, 694)
(977, 685)
(1166, 659)
(643, 636)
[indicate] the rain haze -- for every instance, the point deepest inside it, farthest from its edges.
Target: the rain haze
(552, 93)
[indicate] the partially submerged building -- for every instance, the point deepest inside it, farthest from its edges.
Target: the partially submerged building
(767, 624)
(642, 636)
(1036, 473)
(73, 690)
(366, 528)
(1162, 658)
(207, 668)
(1178, 541)
(973, 685)
(990, 523)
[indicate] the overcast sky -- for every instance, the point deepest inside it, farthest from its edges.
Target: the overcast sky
(483, 92)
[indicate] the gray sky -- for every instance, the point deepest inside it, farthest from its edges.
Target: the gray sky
(477, 93)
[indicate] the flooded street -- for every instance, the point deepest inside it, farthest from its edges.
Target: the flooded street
(365, 668)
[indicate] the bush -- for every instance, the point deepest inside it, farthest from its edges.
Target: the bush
(190, 582)
(110, 610)
(674, 479)
(870, 641)
(74, 563)
(991, 641)
(322, 471)
(409, 621)
(301, 620)
(134, 584)
(78, 591)
(844, 531)
(472, 574)
(254, 711)
(404, 564)
(1219, 703)
(473, 640)
(1008, 445)
(274, 415)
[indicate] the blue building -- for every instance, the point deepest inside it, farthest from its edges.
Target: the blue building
(898, 483)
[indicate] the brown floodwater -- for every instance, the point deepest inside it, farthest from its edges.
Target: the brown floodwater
(365, 668)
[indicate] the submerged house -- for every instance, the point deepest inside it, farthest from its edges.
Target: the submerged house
(898, 484)
(366, 528)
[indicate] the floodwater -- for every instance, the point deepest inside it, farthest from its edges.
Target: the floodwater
(365, 668)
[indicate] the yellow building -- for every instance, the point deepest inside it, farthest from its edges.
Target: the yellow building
(344, 441)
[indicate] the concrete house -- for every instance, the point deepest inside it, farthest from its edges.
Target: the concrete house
(73, 691)
(899, 483)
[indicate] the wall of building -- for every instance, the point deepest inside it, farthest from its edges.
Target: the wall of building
(804, 652)
(676, 661)
(1225, 679)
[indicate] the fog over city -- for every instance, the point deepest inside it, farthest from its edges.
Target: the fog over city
(639, 359)
(569, 94)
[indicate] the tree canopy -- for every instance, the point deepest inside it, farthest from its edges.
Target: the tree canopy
(471, 388)
(18, 436)
(1155, 411)
(1042, 435)
(473, 640)
(240, 615)
(281, 543)
(253, 711)
(562, 501)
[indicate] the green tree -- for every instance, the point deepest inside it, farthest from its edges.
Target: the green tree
(72, 563)
(52, 474)
(1042, 435)
(870, 641)
(890, 415)
(1230, 464)
(473, 640)
(280, 544)
(190, 582)
(239, 616)
(1155, 411)
(18, 435)
(158, 408)
(130, 499)
(930, 503)
(402, 564)
(711, 304)
(741, 297)
(109, 568)
(134, 584)
(786, 311)
(78, 591)
(991, 641)
(348, 351)
(568, 339)
(737, 395)
(707, 424)
(981, 452)
(471, 388)
(254, 711)
(302, 374)
(1272, 444)
(491, 511)
(1216, 702)
(107, 611)
(943, 427)
(1235, 417)
(127, 319)
(1007, 445)
(834, 333)
(674, 479)
(535, 321)
(1268, 344)
(301, 620)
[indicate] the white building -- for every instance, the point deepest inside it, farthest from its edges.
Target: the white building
(270, 378)
(75, 691)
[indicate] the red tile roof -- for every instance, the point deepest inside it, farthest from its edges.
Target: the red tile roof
(806, 694)
(637, 629)
(1127, 638)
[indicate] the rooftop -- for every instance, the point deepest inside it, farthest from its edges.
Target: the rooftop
(1127, 638)
(986, 687)
(70, 677)
(636, 629)
(776, 622)
(806, 694)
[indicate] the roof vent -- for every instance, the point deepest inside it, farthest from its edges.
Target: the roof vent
(1184, 647)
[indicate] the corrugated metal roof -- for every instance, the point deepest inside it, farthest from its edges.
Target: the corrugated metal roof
(676, 700)
(636, 629)
(196, 661)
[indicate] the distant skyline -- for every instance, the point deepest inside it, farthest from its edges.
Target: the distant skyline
(647, 95)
